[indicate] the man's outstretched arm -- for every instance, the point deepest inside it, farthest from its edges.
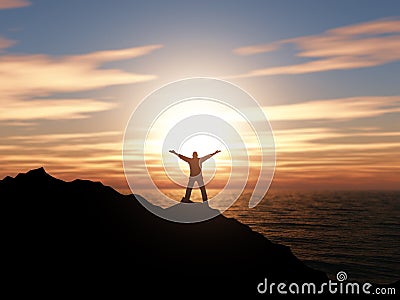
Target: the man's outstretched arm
(218, 151)
(185, 158)
(209, 155)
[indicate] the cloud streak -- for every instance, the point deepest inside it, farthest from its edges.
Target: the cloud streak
(335, 109)
(55, 109)
(6, 43)
(38, 75)
(8, 4)
(307, 157)
(355, 46)
(27, 78)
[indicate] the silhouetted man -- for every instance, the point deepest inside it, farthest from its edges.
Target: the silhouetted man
(195, 173)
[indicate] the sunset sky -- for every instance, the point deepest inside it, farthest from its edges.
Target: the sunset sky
(325, 72)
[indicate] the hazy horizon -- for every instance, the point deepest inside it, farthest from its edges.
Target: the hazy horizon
(196, 195)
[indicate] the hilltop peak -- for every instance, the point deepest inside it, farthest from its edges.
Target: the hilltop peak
(32, 177)
(37, 172)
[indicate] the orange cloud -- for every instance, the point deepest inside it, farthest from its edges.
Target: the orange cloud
(113, 55)
(38, 75)
(7, 4)
(55, 109)
(329, 158)
(327, 139)
(306, 157)
(255, 49)
(6, 43)
(322, 155)
(355, 46)
(335, 109)
(34, 76)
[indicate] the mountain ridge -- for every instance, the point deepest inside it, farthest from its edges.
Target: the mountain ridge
(87, 224)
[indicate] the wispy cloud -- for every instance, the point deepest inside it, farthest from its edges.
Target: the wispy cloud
(309, 157)
(335, 109)
(55, 109)
(323, 155)
(326, 158)
(38, 75)
(355, 46)
(27, 78)
(7, 4)
(256, 49)
(6, 43)
(62, 137)
(325, 139)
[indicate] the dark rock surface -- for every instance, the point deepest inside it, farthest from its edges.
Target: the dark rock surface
(81, 234)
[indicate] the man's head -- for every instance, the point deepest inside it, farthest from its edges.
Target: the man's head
(194, 154)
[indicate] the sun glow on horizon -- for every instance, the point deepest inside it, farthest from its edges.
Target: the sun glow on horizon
(164, 167)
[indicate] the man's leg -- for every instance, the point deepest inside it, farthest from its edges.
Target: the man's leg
(187, 194)
(188, 190)
(200, 181)
(203, 193)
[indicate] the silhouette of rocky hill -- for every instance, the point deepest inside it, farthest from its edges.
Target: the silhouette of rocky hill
(84, 234)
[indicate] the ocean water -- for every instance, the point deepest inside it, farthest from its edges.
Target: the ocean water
(351, 231)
